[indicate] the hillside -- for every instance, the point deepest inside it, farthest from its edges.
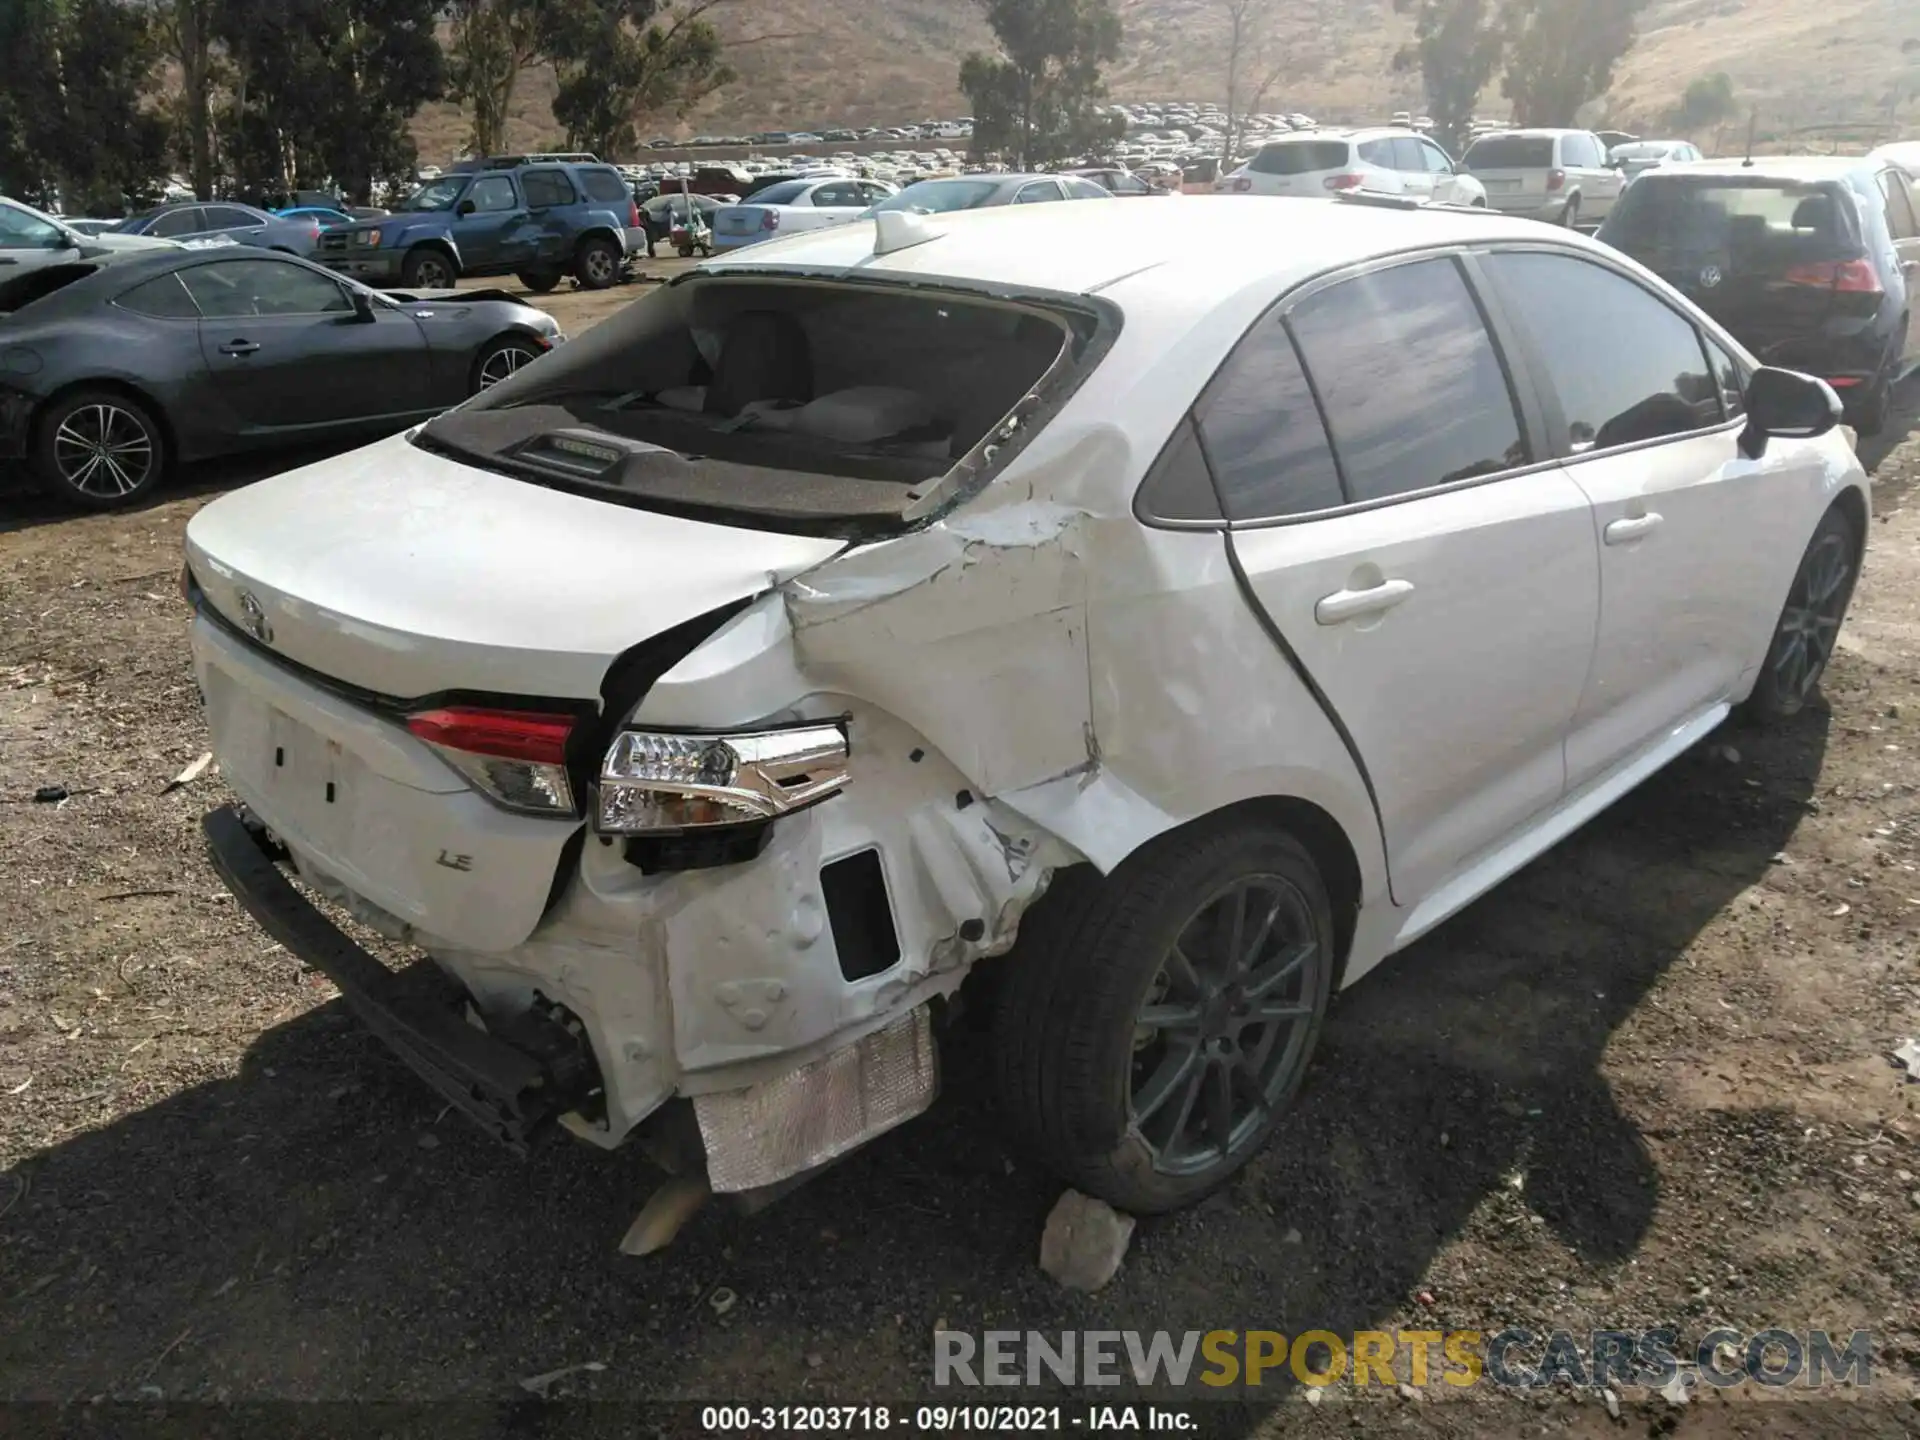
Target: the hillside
(1803, 62)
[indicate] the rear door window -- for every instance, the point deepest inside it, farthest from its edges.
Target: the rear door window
(1263, 432)
(178, 222)
(547, 188)
(228, 217)
(1300, 157)
(841, 196)
(1408, 156)
(1435, 158)
(1901, 222)
(1510, 152)
(1625, 366)
(1401, 424)
(1038, 193)
(1379, 152)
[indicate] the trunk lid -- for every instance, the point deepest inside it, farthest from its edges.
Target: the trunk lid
(408, 574)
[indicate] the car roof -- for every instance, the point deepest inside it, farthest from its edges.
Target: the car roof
(1539, 132)
(1074, 247)
(1776, 167)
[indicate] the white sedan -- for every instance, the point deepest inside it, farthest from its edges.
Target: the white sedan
(1172, 633)
(793, 206)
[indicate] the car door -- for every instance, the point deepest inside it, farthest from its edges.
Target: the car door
(178, 224)
(1379, 165)
(549, 234)
(1433, 577)
(243, 227)
(834, 203)
(1694, 540)
(287, 352)
(28, 241)
(486, 221)
(1447, 189)
(1903, 224)
(1410, 161)
(1599, 182)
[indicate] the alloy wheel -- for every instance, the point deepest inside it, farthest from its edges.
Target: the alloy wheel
(502, 363)
(432, 273)
(103, 451)
(1811, 622)
(1218, 1038)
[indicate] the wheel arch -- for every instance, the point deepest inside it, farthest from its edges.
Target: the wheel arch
(436, 242)
(599, 231)
(124, 388)
(510, 332)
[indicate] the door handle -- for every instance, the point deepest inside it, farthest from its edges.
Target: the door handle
(238, 347)
(1345, 605)
(1638, 527)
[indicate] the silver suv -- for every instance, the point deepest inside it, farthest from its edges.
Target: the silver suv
(1323, 162)
(1561, 176)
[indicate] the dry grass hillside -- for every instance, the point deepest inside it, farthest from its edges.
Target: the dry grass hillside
(1803, 62)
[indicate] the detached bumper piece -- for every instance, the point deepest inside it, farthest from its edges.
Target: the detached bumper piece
(511, 1087)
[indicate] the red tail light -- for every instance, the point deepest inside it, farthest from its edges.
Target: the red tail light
(769, 219)
(516, 758)
(1556, 181)
(633, 215)
(1344, 182)
(1854, 277)
(504, 734)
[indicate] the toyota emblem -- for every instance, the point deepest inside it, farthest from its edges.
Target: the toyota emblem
(253, 618)
(1710, 276)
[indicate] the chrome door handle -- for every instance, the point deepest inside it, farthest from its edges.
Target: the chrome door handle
(239, 347)
(1345, 605)
(1625, 532)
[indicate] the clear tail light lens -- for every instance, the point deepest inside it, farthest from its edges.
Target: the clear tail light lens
(516, 758)
(654, 781)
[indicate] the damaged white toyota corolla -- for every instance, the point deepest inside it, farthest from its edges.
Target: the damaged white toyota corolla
(711, 698)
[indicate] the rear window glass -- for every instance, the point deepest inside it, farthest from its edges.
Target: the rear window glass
(163, 297)
(784, 193)
(605, 185)
(938, 197)
(1752, 224)
(1300, 157)
(820, 408)
(1510, 152)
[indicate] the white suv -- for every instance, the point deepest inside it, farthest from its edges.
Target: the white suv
(1391, 161)
(711, 696)
(1561, 176)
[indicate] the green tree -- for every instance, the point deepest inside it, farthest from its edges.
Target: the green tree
(1037, 98)
(185, 32)
(1708, 101)
(1456, 47)
(32, 103)
(491, 43)
(1561, 54)
(619, 62)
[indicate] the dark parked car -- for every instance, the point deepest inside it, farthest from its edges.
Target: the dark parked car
(537, 220)
(1121, 183)
(1813, 264)
(120, 365)
(224, 220)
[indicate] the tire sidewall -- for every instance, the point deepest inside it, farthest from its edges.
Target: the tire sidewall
(46, 471)
(416, 261)
(1767, 705)
(583, 262)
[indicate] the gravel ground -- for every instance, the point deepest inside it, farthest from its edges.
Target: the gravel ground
(1645, 1081)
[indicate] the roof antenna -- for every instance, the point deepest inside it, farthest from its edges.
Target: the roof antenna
(1753, 124)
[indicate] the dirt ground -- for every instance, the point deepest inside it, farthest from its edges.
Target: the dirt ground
(1647, 1081)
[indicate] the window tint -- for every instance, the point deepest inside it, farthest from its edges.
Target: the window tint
(840, 195)
(1122, 183)
(1379, 152)
(1038, 193)
(1900, 216)
(1412, 385)
(1733, 381)
(1435, 158)
(176, 223)
(1626, 367)
(873, 194)
(22, 231)
(546, 187)
(1407, 155)
(1509, 152)
(1179, 486)
(163, 297)
(245, 288)
(1299, 157)
(1078, 189)
(1263, 432)
(607, 186)
(227, 217)
(493, 193)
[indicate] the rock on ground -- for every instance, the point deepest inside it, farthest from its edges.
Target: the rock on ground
(1084, 1242)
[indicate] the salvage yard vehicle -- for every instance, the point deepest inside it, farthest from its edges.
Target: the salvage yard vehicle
(118, 366)
(1811, 261)
(30, 240)
(532, 218)
(797, 205)
(1166, 636)
(1561, 176)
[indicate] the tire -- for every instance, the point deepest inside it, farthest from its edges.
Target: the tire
(1868, 414)
(87, 446)
(596, 264)
(540, 282)
(1121, 1105)
(500, 358)
(1803, 637)
(426, 268)
(1572, 218)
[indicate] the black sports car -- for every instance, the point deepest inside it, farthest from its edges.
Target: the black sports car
(115, 367)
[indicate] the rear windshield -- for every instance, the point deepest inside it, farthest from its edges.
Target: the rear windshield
(840, 409)
(785, 193)
(1299, 157)
(1510, 152)
(938, 197)
(1755, 224)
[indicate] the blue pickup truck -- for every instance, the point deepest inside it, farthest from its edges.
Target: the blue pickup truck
(508, 215)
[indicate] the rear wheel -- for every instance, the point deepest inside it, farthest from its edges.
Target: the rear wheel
(1868, 411)
(426, 269)
(540, 282)
(596, 265)
(1572, 218)
(99, 449)
(1154, 1026)
(502, 358)
(1810, 624)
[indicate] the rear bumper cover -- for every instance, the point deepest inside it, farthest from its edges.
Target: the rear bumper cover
(511, 1089)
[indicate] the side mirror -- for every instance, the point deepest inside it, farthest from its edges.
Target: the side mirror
(1788, 404)
(465, 207)
(362, 306)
